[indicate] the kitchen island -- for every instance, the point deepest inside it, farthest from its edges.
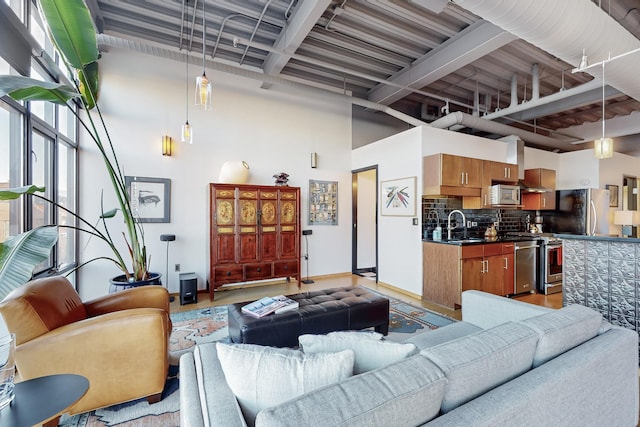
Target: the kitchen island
(453, 266)
(602, 273)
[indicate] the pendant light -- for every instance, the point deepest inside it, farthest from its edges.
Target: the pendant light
(603, 147)
(203, 85)
(187, 130)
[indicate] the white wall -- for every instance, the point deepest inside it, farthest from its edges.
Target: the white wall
(143, 98)
(399, 242)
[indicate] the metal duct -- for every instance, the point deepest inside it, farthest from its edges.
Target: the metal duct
(459, 118)
(564, 28)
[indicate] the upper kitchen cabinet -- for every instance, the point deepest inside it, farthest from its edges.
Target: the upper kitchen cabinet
(541, 194)
(449, 175)
(492, 173)
(500, 172)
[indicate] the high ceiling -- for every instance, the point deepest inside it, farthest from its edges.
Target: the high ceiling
(423, 58)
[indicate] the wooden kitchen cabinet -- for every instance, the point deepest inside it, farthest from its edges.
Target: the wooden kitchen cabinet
(492, 173)
(254, 233)
(540, 178)
(446, 174)
(449, 270)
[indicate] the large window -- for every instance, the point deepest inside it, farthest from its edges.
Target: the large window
(40, 139)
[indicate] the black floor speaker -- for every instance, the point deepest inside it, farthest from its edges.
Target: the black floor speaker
(188, 288)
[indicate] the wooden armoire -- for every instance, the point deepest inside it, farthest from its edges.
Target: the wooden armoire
(254, 233)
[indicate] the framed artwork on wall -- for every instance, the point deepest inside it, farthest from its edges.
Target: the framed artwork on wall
(150, 198)
(323, 202)
(398, 197)
(613, 195)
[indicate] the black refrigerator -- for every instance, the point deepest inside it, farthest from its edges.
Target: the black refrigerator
(582, 211)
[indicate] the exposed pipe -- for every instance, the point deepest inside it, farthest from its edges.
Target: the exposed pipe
(535, 82)
(255, 30)
(459, 118)
(514, 90)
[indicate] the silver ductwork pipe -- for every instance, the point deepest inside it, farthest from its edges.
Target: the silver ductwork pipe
(535, 82)
(514, 91)
(459, 118)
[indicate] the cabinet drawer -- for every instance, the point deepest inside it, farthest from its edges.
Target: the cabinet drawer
(472, 251)
(492, 249)
(257, 271)
(508, 248)
(228, 274)
(285, 268)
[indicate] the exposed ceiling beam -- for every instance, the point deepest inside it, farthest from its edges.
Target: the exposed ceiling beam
(469, 45)
(304, 17)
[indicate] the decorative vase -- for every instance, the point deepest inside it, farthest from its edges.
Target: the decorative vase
(120, 283)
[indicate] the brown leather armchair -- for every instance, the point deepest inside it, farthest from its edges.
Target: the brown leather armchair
(119, 342)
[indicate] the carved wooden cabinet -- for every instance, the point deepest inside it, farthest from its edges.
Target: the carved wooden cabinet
(254, 233)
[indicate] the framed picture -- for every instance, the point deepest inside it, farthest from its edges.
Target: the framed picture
(150, 198)
(613, 195)
(398, 197)
(323, 202)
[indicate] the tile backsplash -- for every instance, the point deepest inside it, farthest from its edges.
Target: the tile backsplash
(436, 210)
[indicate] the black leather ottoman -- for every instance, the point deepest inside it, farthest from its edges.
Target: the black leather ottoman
(320, 312)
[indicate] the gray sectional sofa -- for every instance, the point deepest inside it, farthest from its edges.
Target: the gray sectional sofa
(507, 363)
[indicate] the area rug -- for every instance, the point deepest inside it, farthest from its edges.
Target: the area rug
(210, 325)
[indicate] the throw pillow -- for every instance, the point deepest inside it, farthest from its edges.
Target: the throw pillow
(357, 334)
(266, 376)
(369, 353)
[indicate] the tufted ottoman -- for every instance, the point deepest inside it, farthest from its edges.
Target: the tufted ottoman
(320, 312)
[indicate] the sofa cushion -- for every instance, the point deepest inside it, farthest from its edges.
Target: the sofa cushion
(562, 330)
(479, 362)
(443, 334)
(373, 335)
(266, 376)
(369, 353)
(406, 393)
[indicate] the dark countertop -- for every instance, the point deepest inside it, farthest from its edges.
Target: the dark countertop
(482, 240)
(599, 238)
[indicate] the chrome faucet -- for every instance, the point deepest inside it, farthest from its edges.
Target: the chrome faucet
(449, 229)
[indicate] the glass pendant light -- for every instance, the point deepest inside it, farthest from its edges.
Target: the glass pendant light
(203, 85)
(187, 130)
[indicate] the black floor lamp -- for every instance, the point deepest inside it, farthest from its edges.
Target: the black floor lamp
(168, 238)
(306, 234)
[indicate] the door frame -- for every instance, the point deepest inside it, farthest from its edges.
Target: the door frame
(354, 218)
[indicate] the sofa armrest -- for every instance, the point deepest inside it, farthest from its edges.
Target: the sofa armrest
(205, 397)
(487, 310)
(151, 296)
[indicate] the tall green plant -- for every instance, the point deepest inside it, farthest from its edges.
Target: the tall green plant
(71, 30)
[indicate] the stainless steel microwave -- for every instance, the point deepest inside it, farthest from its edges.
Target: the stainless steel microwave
(505, 194)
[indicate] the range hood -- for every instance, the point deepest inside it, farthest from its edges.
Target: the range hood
(526, 188)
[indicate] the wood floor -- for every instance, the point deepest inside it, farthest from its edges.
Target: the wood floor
(252, 292)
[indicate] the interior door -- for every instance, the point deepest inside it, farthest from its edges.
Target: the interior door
(365, 225)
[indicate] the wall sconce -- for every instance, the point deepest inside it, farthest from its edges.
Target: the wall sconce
(627, 219)
(167, 142)
(314, 160)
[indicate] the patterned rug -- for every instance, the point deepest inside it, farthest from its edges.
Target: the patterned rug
(210, 325)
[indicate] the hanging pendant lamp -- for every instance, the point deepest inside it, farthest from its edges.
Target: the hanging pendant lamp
(203, 85)
(187, 130)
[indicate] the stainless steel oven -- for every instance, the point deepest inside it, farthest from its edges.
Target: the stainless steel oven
(550, 265)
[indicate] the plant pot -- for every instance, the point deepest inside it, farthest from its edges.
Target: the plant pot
(120, 283)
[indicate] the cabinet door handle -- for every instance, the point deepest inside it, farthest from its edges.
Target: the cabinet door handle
(506, 263)
(466, 176)
(544, 202)
(506, 174)
(485, 200)
(462, 178)
(259, 269)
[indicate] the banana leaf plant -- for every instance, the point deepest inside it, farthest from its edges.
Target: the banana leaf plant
(20, 254)
(71, 30)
